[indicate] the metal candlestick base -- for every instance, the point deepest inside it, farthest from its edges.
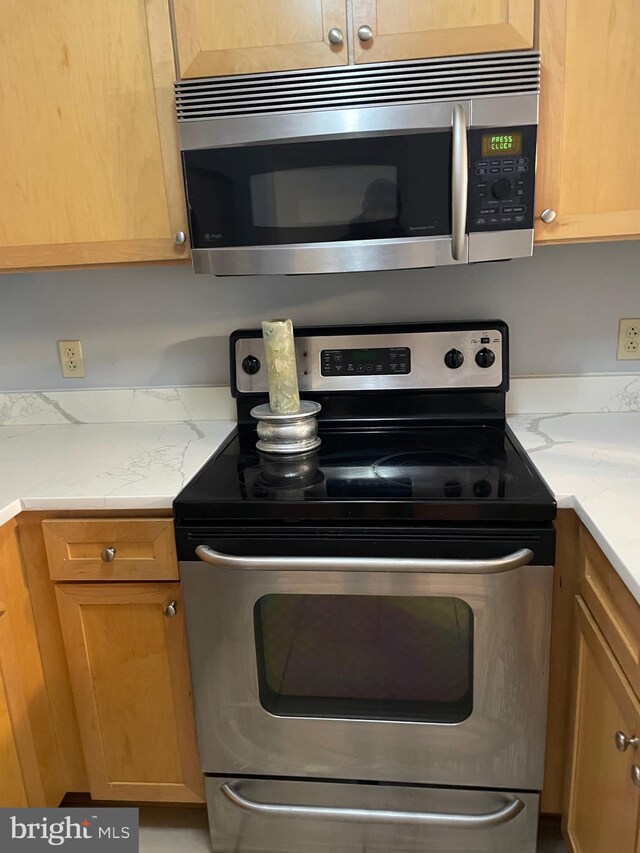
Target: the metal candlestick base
(296, 433)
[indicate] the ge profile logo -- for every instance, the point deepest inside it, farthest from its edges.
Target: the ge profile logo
(32, 830)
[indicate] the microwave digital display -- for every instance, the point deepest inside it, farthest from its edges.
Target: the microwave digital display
(501, 144)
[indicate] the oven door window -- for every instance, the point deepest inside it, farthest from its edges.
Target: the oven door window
(365, 657)
(315, 192)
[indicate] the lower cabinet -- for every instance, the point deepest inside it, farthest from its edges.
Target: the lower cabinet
(127, 655)
(19, 775)
(603, 805)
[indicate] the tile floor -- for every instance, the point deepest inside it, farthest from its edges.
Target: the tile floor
(184, 830)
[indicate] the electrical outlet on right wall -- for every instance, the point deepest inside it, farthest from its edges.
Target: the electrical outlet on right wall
(629, 338)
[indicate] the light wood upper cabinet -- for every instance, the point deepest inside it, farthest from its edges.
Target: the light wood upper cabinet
(604, 802)
(588, 168)
(90, 162)
(219, 37)
(410, 29)
(130, 677)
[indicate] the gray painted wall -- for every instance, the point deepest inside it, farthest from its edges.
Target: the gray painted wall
(154, 326)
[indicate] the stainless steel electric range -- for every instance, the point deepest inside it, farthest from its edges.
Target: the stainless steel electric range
(369, 624)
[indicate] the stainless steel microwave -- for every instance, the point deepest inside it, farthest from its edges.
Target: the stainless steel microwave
(375, 167)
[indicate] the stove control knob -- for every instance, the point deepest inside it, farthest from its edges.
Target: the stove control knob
(501, 188)
(251, 365)
(482, 489)
(485, 357)
(454, 359)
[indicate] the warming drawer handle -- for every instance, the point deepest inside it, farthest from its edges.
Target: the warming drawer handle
(367, 564)
(507, 812)
(459, 182)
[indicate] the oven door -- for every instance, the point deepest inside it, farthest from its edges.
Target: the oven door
(340, 191)
(364, 668)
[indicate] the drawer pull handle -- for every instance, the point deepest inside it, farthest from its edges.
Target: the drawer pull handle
(335, 36)
(108, 555)
(171, 609)
(365, 33)
(635, 774)
(623, 742)
(510, 809)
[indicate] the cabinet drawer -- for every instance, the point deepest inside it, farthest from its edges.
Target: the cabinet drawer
(616, 611)
(111, 549)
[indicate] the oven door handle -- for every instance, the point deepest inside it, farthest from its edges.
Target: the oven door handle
(459, 182)
(505, 813)
(367, 564)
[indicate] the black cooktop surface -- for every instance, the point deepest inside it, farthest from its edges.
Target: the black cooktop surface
(439, 473)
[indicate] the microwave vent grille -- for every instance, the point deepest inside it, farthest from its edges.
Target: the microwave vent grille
(424, 80)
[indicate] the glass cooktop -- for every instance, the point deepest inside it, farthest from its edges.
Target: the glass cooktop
(444, 473)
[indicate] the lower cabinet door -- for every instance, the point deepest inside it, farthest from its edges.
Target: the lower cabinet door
(127, 654)
(604, 797)
(20, 783)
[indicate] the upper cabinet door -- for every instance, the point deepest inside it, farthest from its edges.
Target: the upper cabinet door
(411, 29)
(588, 167)
(220, 37)
(90, 161)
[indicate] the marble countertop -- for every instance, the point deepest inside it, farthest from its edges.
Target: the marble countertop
(102, 466)
(590, 461)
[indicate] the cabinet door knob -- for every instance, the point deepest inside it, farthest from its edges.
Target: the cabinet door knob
(365, 33)
(335, 36)
(171, 609)
(108, 555)
(623, 742)
(548, 215)
(180, 237)
(635, 774)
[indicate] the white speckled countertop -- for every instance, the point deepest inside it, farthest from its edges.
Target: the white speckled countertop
(591, 462)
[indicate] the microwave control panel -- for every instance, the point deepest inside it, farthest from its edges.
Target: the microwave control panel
(502, 165)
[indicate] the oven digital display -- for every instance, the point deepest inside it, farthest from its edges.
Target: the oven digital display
(501, 144)
(365, 355)
(390, 361)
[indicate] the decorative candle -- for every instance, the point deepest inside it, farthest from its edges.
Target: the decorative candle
(282, 373)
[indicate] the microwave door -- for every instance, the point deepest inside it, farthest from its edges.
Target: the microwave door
(391, 196)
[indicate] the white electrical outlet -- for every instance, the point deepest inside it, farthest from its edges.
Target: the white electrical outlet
(71, 359)
(629, 338)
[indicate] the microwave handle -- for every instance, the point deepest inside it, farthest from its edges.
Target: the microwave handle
(459, 182)
(367, 564)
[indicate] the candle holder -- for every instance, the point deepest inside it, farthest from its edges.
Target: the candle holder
(290, 433)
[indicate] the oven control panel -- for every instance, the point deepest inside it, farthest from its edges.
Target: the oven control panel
(432, 357)
(388, 361)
